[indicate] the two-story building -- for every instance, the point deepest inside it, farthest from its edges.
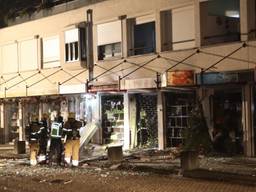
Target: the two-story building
(134, 68)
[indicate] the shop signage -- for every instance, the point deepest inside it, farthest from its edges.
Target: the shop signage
(142, 83)
(178, 78)
(99, 88)
(224, 77)
(70, 89)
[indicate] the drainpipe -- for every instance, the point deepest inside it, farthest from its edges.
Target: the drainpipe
(89, 43)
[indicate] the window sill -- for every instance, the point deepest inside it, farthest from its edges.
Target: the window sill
(146, 54)
(110, 59)
(74, 65)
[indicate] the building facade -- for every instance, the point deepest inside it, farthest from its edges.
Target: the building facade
(134, 69)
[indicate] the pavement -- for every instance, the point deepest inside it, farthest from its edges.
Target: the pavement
(236, 170)
(239, 170)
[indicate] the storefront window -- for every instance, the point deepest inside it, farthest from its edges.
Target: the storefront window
(178, 112)
(112, 119)
(146, 120)
(220, 21)
(227, 118)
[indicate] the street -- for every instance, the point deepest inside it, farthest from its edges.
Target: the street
(23, 178)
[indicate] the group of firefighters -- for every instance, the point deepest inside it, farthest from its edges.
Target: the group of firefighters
(48, 142)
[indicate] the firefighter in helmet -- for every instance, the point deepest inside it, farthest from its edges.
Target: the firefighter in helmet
(34, 131)
(72, 139)
(43, 137)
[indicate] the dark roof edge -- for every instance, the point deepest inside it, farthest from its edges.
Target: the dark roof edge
(53, 11)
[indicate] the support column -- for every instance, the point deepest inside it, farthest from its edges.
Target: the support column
(251, 19)
(204, 96)
(161, 120)
(6, 116)
(126, 122)
(124, 36)
(89, 44)
(158, 31)
(244, 20)
(197, 23)
(20, 122)
(133, 120)
(41, 109)
(247, 119)
(2, 123)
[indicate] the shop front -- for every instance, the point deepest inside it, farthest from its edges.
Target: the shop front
(112, 116)
(227, 103)
(143, 119)
(179, 100)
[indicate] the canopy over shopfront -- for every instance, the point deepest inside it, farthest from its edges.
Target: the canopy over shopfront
(45, 82)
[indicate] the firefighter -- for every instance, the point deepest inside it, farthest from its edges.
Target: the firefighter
(34, 131)
(72, 139)
(56, 143)
(43, 138)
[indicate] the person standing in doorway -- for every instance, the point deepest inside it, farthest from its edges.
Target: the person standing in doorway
(72, 139)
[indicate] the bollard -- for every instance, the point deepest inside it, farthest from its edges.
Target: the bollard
(115, 153)
(189, 160)
(19, 147)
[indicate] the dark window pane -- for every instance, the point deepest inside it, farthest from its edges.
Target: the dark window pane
(82, 33)
(101, 52)
(144, 38)
(110, 50)
(71, 51)
(76, 50)
(67, 51)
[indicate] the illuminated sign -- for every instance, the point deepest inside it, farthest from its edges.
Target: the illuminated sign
(178, 78)
(224, 77)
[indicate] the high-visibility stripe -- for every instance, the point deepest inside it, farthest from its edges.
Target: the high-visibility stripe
(64, 129)
(55, 136)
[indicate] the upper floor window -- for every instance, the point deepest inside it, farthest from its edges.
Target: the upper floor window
(178, 28)
(141, 35)
(109, 36)
(51, 52)
(75, 45)
(220, 21)
(19, 56)
(9, 58)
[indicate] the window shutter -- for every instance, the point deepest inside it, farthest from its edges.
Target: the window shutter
(51, 52)
(10, 58)
(71, 35)
(183, 26)
(28, 52)
(109, 33)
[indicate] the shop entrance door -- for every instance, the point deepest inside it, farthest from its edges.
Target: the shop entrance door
(227, 121)
(178, 112)
(112, 111)
(11, 129)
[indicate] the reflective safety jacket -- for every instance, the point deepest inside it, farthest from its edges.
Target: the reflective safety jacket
(56, 130)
